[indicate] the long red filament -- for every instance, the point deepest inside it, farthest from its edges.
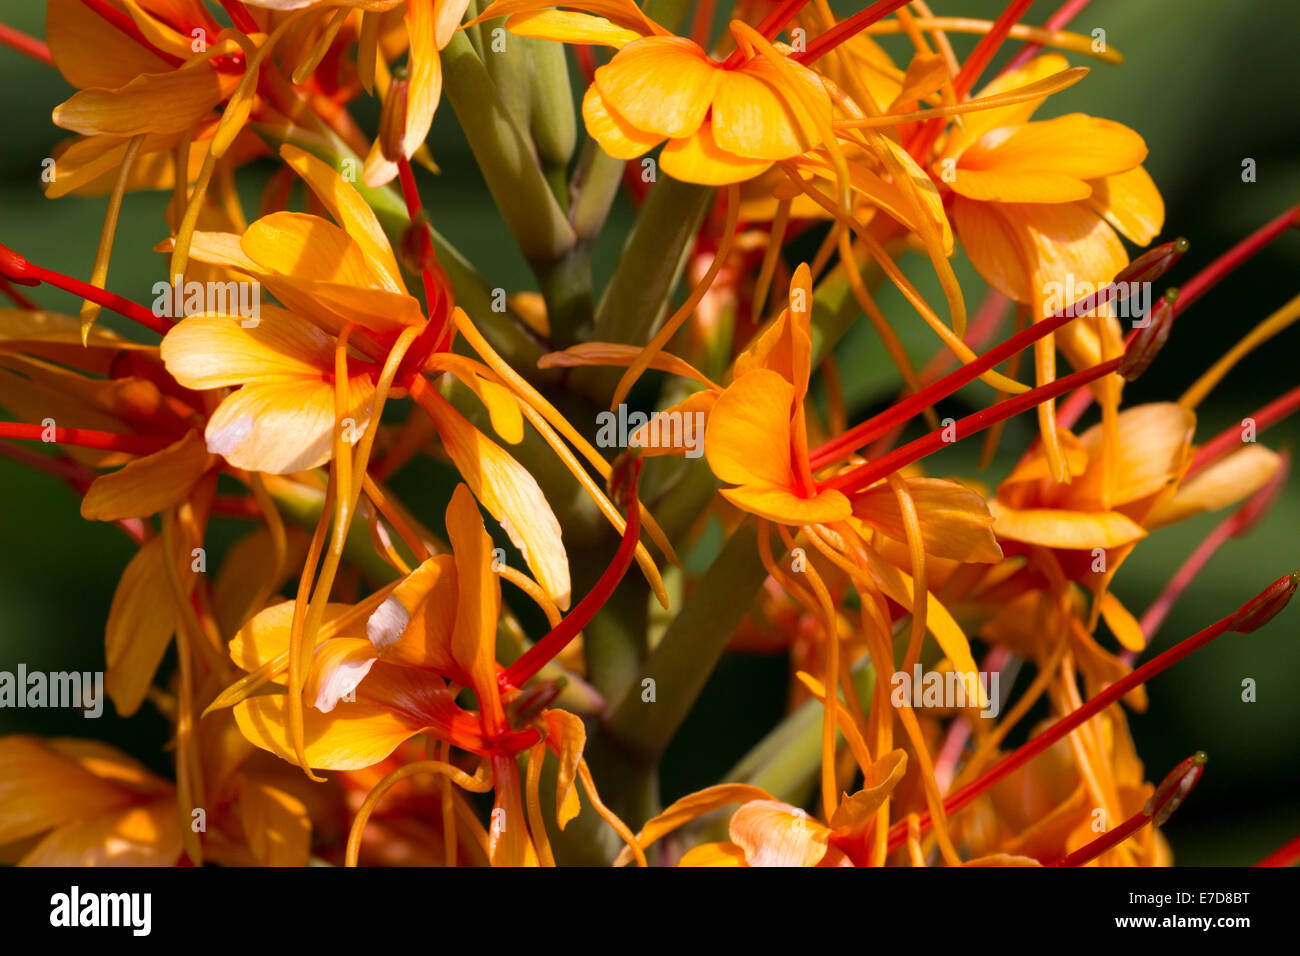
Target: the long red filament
(1250, 616)
(553, 643)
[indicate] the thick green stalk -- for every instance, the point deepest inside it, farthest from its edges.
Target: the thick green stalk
(505, 156)
(690, 648)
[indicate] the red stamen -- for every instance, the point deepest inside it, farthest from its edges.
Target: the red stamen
(1287, 855)
(25, 44)
(1057, 21)
(18, 269)
(1229, 438)
(988, 46)
(846, 29)
(623, 481)
(1173, 790)
(240, 17)
(1217, 270)
(436, 335)
(1249, 617)
(771, 25)
(86, 438)
(863, 476)
(1150, 265)
(19, 299)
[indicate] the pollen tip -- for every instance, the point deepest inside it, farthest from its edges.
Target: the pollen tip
(1181, 245)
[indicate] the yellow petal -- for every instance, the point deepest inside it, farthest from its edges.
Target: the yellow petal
(568, 26)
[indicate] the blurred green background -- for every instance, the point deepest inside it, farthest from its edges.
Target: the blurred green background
(1207, 83)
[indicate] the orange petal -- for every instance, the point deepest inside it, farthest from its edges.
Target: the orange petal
(151, 103)
(1153, 446)
(1122, 624)
(214, 351)
(1056, 528)
(567, 737)
(284, 427)
(426, 72)
(785, 507)
(350, 211)
(714, 854)
(510, 494)
(691, 807)
(616, 135)
(148, 835)
(478, 602)
(149, 484)
(698, 159)
(772, 833)
(1229, 480)
(140, 626)
(1131, 203)
(992, 247)
(661, 85)
(42, 788)
(89, 53)
(955, 521)
(568, 26)
(748, 438)
(276, 824)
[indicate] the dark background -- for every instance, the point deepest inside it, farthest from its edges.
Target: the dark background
(1207, 83)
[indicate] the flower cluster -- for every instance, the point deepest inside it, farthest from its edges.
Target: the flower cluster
(429, 643)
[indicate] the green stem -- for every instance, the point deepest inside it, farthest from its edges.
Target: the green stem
(505, 157)
(684, 658)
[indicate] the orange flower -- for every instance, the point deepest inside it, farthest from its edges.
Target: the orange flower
(723, 122)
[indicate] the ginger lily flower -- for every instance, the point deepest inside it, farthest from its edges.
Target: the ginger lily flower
(723, 122)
